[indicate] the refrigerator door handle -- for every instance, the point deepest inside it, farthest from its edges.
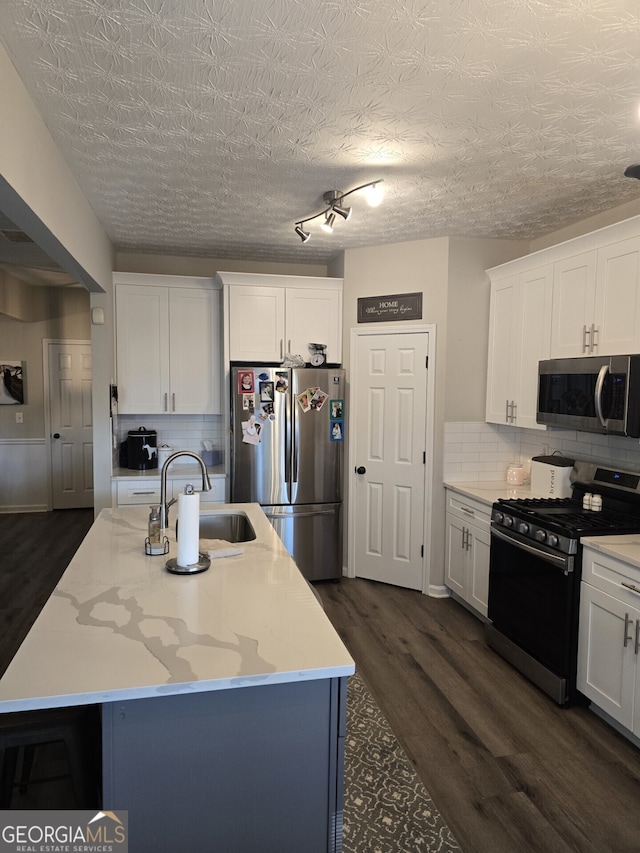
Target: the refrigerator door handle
(299, 514)
(293, 473)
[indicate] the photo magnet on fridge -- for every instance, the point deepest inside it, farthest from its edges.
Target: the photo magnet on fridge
(336, 408)
(245, 382)
(266, 392)
(304, 399)
(336, 430)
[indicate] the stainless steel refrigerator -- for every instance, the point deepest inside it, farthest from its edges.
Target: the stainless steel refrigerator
(287, 450)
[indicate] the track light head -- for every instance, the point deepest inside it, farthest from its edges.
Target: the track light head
(632, 171)
(302, 234)
(327, 225)
(374, 194)
(344, 212)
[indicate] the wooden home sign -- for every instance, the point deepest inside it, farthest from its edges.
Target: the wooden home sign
(397, 306)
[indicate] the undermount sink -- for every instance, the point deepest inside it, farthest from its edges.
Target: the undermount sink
(230, 526)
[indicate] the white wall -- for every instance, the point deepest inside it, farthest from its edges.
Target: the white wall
(450, 273)
(468, 322)
(40, 194)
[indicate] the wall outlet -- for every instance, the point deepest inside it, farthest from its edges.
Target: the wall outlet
(19, 417)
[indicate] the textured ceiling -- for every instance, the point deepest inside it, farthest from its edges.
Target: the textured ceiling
(208, 127)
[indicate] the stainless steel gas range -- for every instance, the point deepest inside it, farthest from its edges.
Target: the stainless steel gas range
(535, 572)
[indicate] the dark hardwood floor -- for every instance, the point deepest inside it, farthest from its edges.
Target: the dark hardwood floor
(35, 549)
(508, 769)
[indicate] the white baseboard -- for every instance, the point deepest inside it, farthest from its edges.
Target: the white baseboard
(26, 508)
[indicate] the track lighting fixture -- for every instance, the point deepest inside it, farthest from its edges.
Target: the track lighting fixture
(333, 199)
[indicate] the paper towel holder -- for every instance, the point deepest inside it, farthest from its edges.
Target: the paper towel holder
(201, 566)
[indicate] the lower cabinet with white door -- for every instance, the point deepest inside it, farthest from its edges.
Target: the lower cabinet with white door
(468, 539)
(609, 632)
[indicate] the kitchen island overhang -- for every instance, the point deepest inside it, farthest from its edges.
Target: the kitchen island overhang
(232, 674)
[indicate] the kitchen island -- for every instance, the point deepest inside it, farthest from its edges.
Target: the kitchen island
(222, 694)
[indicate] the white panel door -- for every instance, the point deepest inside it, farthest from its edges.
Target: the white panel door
(389, 419)
(71, 425)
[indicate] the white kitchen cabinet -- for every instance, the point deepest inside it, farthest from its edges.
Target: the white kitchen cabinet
(268, 316)
(609, 637)
(596, 302)
(146, 490)
(168, 345)
(519, 337)
(467, 550)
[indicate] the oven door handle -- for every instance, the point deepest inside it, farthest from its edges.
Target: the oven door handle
(562, 562)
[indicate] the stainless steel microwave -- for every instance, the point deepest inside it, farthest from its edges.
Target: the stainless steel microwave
(592, 394)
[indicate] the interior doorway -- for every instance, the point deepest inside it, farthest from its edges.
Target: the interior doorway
(70, 422)
(390, 453)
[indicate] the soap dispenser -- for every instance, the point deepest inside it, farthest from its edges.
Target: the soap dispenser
(154, 543)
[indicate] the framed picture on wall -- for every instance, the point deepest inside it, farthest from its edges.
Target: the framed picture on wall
(12, 384)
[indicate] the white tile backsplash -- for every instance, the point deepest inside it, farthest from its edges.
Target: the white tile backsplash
(182, 432)
(477, 452)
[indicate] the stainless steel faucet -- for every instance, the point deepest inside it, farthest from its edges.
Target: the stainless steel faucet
(164, 506)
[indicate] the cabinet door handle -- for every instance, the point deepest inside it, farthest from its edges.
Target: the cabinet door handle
(173, 401)
(468, 540)
(585, 333)
(463, 536)
(506, 414)
(467, 510)
(594, 342)
(627, 622)
(281, 348)
(630, 586)
(289, 345)
(166, 402)
(514, 411)
(637, 644)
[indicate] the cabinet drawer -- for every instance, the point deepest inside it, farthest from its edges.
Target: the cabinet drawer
(144, 492)
(611, 576)
(470, 510)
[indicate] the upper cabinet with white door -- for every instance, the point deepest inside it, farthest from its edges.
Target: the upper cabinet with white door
(581, 297)
(267, 316)
(168, 344)
(519, 335)
(596, 301)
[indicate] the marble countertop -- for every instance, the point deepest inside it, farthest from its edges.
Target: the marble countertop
(490, 491)
(119, 626)
(176, 471)
(622, 547)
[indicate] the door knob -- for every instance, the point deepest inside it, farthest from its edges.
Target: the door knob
(361, 470)
(56, 435)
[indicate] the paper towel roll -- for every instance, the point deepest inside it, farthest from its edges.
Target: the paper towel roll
(188, 528)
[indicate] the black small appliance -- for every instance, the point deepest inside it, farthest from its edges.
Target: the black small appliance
(142, 448)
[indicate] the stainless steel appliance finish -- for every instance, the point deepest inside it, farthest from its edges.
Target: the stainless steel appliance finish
(594, 394)
(535, 572)
(295, 469)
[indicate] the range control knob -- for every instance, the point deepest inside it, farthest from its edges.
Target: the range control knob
(499, 517)
(523, 527)
(540, 536)
(508, 521)
(553, 540)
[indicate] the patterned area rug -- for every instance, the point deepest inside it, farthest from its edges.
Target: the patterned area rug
(386, 807)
